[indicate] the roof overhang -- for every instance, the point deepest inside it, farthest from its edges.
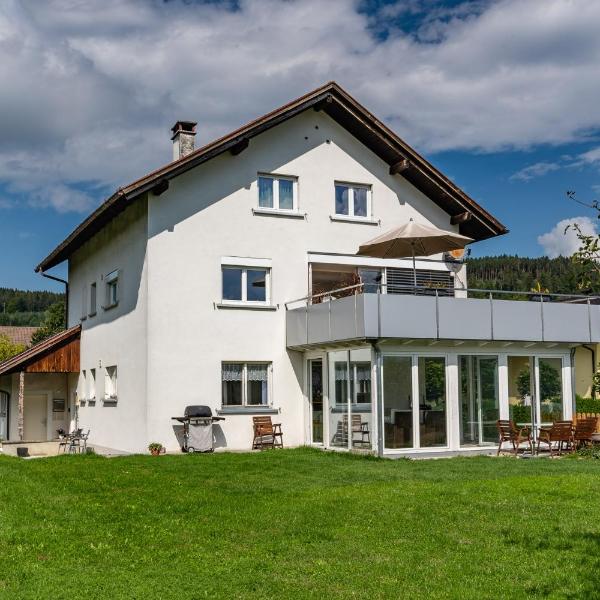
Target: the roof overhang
(52, 345)
(473, 220)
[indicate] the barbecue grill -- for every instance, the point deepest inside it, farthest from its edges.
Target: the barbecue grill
(197, 423)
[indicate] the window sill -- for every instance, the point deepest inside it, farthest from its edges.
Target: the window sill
(92, 315)
(247, 410)
(347, 219)
(109, 306)
(246, 305)
(82, 319)
(273, 212)
(110, 401)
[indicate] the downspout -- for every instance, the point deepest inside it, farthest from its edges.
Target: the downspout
(66, 294)
(593, 352)
(573, 386)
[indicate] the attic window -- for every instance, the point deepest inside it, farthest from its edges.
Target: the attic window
(353, 200)
(278, 193)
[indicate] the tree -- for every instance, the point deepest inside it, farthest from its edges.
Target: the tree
(8, 348)
(54, 322)
(587, 256)
(550, 383)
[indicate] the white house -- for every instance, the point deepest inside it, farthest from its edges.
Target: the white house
(213, 281)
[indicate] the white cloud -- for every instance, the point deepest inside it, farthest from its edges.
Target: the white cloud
(536, 170)
(92, 88)
(558, 242)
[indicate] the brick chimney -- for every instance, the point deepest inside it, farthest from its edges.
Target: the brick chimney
(183, 138)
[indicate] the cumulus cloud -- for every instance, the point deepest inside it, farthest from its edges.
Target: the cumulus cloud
(558, 242)
(91, 88)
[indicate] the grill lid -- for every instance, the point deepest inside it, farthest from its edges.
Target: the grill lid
(197, 410)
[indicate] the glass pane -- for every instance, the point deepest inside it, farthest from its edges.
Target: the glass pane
(286, 194)
(397, 401)
(479, 403)
(432, 401)
(520, 389)
(551, 400)
(232, 284)
(361, 422)
(257, 285)
(371, 280)
(338, 399)
(316, 398)
(341, 200)
(360, 202)
(258, 391)
(231, 375)
(265, 192)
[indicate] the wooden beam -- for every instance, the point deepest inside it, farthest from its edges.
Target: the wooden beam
(319, 106)
(161, 187)
(399, 167)
(239, 147)
(21, 405)
(460, 218)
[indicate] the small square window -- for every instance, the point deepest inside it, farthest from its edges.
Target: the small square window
(245, 384)
(353, 200)
(246, 284)
(92, 385)
(278, 193)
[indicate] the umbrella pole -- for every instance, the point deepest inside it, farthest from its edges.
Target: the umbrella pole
(414, 267)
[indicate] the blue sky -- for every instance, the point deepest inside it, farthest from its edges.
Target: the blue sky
(501, 95)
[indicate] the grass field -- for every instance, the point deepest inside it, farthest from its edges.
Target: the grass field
(298, 524)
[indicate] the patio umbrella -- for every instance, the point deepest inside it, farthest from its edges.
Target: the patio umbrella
(413, 239)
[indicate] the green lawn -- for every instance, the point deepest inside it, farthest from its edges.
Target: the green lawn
(297, 524)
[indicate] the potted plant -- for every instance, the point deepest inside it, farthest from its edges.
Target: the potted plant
(155, 448)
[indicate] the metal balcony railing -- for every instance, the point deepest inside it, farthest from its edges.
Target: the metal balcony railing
(373, 311)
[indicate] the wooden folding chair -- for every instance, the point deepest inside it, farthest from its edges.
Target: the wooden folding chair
(584, 429)
(266, 434)
(561, 434)
(509, 432)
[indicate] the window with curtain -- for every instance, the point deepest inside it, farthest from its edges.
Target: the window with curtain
(278, 192)
(245, 384)
(353, 200)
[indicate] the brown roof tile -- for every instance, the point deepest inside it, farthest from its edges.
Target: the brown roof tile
(18, 335)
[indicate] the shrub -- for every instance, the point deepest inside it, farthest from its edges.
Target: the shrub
(587, 405)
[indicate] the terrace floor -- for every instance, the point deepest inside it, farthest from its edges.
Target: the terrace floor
(298, 524)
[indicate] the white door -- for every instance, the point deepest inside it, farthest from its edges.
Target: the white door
(35, 417)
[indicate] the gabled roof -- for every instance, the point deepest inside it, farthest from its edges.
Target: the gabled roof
(474, 220)
(18, 335)
(21, 361)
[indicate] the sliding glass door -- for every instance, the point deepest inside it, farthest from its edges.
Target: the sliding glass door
(350, 405)
(414, 402)
(479, 403)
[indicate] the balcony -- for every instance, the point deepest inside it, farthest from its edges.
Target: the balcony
(368, 312)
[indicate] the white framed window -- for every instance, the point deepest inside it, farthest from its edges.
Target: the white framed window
(84, 311)
(246, 284)
(246, 383)
(353, 200)
(112, 289)
(91, 385)
(82, 387)
(93, 290)
(277, 193)
(110, 384)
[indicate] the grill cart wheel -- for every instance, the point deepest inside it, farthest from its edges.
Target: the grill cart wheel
(191, 450)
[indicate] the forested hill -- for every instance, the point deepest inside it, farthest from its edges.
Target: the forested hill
(558, 275)
(19, 307)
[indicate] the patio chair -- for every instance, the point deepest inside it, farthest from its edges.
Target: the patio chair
(509, 432)
(358, 429)
(584, 429)
(266, 434)
(561, 434)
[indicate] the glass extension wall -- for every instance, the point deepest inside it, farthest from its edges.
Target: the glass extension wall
(479, 402)
(397, 402)
(521, 390)
(432, 401)
(550, 390)
(350, 405)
